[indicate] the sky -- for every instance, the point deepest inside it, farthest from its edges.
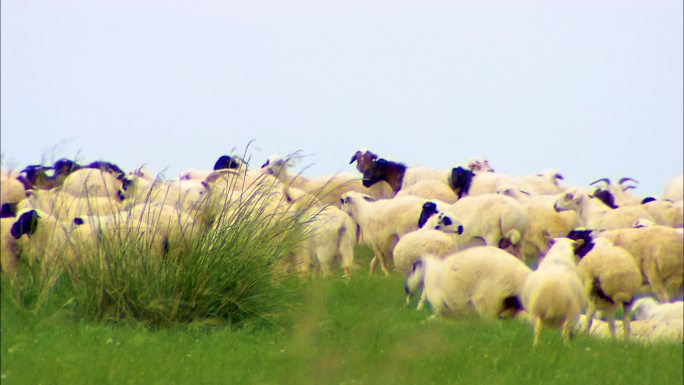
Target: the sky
(590, 88)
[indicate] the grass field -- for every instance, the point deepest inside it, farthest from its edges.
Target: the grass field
(337, 332)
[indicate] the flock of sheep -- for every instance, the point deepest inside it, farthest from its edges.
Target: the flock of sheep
(471, 242)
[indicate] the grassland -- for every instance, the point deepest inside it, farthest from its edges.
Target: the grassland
(335, 332)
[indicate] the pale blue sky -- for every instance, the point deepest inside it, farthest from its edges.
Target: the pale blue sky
(590, 88)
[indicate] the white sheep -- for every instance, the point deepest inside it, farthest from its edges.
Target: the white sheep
(611, 278)
(665, 321)
(92, 182)
(594, 214)
(430, 189)
(543, 222)
(659, 253)
(382, 222)
(480, 281)
(553, 294)
(490, 219)
(665, 212)
(11, 190)
(674, 190)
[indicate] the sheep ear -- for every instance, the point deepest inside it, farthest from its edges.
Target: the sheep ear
(368, 199)
(550, 243)
(8, 210)
(266, 164)
(355, 157)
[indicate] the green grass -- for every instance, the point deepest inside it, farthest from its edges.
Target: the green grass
(356, 332)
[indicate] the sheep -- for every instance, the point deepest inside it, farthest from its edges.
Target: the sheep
(495, 220)
(65, 206)
(658, 252)
(11, 190)
(478, 165)
(465, 181)
(364, 159)
(8, 247)
(674, 190)
(553, 294)
(481, 281)
(327, 188)
(92, 182)
(620, 191)
(594, 214)
(665, 320)
(543, 222)
(664, 212)
(382, 222)
(398, 176)
(39, 235)
(430, 239)
(36, 176)
(611, 278)
(222, 163)
(430, 189)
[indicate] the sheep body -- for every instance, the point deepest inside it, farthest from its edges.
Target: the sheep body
(553, 294)
(480, 281)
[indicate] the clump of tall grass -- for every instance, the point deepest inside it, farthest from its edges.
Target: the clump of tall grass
(230, 266)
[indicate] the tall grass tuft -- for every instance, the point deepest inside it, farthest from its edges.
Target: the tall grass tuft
(229, 266)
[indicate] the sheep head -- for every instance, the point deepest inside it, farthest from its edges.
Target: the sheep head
(364, 159)
(429, 209)
(460, 180)
(478, 165)
(606, 197)
(229, 162)
(26, 223)
(382, 169)
(568, 201)
(584, 240)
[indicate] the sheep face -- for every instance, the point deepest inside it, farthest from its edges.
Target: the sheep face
(62, 168)
(381, 169)
(460, 180)
(568, 201)
(447, 224)
(429, 209)
(478, 165)
(27, 223)
(274, 165)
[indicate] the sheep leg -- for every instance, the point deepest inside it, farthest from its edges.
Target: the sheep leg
(590, 316)
(657, 285)
(537, 331)
(626, 319)
(568, 325)
(421, 301)
(611, 323)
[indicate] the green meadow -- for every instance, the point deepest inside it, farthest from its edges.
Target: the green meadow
(334, 332)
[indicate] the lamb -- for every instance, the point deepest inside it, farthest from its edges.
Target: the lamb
(553, 294)
(659, 253)
(611, 278)
(481, 281)
(382, 222)
(594, 214)
(495, 220)
(543, 222)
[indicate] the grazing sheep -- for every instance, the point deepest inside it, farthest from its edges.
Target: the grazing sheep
(594, 214)
(382, 222)
(553, 294)
(481, 281)
(543, 222)
(611, 278)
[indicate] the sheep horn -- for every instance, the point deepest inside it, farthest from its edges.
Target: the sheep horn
(606, 180)
(623, 180)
